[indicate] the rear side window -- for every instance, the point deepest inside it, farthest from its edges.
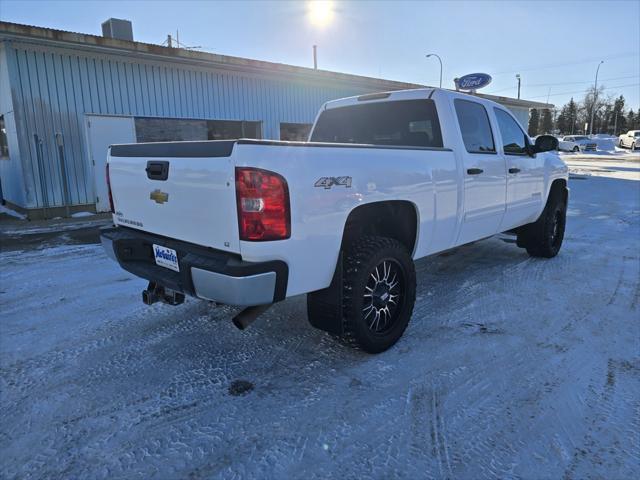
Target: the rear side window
(408, 123)
(475, 127)
(513, 138)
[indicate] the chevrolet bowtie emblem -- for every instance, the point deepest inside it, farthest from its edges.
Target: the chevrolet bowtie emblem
(159, 196)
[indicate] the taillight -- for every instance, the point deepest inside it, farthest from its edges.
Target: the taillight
(263, 205)
(113, 210)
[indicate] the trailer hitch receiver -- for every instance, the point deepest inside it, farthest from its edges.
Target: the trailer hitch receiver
(157, 293)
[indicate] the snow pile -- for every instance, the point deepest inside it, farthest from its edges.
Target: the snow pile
(11, 213)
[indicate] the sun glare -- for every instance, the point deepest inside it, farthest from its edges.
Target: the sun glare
(320, 12)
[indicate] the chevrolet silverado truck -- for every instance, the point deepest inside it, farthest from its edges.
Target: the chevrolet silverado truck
(384, 180)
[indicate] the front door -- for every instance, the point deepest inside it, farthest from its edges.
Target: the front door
(525, 173)
(484, 173)
(103, 131)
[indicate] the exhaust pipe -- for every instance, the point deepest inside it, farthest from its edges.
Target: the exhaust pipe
(247, 316)
(156, 293)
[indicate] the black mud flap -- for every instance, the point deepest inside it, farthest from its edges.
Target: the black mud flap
(324, 307)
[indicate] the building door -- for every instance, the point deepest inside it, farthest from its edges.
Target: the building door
(103, 131)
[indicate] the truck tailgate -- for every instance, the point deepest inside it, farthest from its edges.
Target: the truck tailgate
(181, 190)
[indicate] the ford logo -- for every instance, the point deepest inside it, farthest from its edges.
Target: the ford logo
(473, 81)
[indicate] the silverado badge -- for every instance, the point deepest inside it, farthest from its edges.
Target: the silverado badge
(159, 196)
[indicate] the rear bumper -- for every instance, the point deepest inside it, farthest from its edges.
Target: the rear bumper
(204, 272)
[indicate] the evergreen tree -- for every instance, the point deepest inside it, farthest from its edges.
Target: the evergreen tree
(534, 119)
(619, 121)
(546, 125)
(562, 122)
(572, 113)
(631, 120)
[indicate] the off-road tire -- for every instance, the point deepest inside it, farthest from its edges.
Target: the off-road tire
(360, 262)
(543, 238)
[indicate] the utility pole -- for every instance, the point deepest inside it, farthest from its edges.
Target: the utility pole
(440, 60)
(595, 98)
(315, 57)
(518, 77)
(615, 125)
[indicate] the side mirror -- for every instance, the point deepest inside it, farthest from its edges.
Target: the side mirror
(545, 143)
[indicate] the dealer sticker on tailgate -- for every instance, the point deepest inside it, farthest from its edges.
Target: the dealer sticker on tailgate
(166, 257)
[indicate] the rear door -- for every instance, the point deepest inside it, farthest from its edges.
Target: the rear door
(484, 173)
(524, 173)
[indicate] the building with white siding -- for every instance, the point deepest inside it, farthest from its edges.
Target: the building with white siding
(64, 97)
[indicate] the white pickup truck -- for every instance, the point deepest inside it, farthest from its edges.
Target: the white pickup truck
(631, 139)
(386, 179)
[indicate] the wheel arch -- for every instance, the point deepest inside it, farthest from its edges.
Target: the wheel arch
(559, 187)
(397, 219)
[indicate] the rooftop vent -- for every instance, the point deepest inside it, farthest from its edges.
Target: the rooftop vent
(118, 29)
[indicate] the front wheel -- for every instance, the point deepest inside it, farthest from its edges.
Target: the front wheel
(544, 237)
(576, 149)
(379, 293)
(633, 146)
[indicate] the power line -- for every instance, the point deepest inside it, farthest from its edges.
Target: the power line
(579, 62)
(561, 83)
(580, 91)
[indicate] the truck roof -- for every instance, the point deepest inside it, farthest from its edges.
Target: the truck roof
(396, 95)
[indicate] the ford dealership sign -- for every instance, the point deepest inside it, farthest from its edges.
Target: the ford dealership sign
(473, 81)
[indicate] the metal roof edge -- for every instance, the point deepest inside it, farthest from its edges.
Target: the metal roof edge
(16, 31)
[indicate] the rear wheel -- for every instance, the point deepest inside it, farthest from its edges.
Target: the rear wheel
(544, 237)
(379, 293)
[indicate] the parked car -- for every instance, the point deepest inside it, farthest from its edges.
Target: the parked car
(577, 143)
(631, 139)
(386, 179)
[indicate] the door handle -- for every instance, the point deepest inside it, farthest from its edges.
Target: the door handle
(157, 170)
(474, 171)
(514, 170)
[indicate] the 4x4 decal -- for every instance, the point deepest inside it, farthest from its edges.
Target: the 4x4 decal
(328, 182)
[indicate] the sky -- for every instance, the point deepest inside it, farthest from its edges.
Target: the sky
(555, 46)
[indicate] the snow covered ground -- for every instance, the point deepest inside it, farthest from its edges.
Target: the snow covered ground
(512, 367)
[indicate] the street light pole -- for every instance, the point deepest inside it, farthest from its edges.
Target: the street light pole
(595, 98)
(518, 77)
(440, 60)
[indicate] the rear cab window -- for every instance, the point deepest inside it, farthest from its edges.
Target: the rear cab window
(474, 126)
(401, 123)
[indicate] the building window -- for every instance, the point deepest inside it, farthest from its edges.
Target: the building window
(169, 129)
(231, 129)
(295, 132)
(177, 129)
(4, 146)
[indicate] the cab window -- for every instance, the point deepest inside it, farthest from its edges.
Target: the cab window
(475, 127)
(514, 141)
(401, 123)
